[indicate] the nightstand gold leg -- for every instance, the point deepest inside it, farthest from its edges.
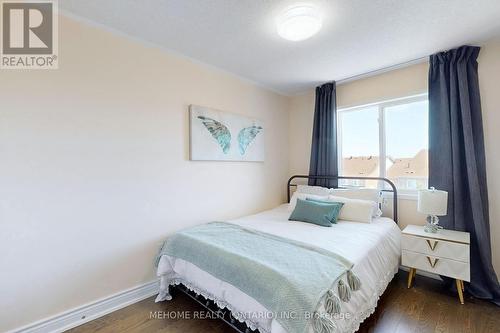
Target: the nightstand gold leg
(462, 283)
(411, 275)
(460, 290)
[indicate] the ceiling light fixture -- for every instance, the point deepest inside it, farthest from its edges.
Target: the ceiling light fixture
(299, 22)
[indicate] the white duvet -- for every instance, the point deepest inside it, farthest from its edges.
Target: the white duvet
(373, 248)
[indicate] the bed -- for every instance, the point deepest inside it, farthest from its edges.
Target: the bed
(373, 249)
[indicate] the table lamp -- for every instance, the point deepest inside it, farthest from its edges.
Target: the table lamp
(434, 203)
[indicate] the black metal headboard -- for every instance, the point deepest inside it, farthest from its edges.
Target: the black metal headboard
(391, 184)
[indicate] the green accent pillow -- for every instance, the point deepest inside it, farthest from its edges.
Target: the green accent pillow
(321, 213)
(336, 203)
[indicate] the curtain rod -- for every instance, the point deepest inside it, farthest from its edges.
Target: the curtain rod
(383, 70)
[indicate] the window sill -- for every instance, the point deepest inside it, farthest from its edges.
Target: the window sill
(402, 196)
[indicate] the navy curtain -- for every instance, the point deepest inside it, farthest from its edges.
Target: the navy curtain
(457, 160)
(324, 139)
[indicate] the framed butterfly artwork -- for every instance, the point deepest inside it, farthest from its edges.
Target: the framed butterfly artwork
(224, 136)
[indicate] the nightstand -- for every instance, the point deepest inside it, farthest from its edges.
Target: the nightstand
(446, 253)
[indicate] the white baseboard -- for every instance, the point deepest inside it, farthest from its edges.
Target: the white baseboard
(91, 311)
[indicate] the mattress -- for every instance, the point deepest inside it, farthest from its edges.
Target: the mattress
(373, 248)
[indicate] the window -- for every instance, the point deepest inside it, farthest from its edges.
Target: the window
(388, 139)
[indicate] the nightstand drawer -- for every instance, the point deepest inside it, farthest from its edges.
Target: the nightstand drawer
(436, 247)
(438, 265)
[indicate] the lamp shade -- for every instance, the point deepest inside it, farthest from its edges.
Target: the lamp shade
(433, 202)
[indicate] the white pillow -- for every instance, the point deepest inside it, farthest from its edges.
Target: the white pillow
(370, 194)
(355, 210)
(316, 190)
(297, 195)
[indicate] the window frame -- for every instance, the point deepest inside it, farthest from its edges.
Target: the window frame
(381, 105)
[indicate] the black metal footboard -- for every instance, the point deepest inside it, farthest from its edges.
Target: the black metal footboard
(223, 314)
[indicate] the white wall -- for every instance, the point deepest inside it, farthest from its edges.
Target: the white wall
(94, 169)
(404, 82)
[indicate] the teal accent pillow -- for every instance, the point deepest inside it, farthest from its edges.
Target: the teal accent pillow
(335, 203)
(321, 213)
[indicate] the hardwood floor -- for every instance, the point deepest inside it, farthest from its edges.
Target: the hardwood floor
(424, 308)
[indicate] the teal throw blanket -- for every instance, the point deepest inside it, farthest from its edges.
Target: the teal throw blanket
(289, 278)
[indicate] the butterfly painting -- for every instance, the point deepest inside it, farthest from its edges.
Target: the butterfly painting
(224, 136)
